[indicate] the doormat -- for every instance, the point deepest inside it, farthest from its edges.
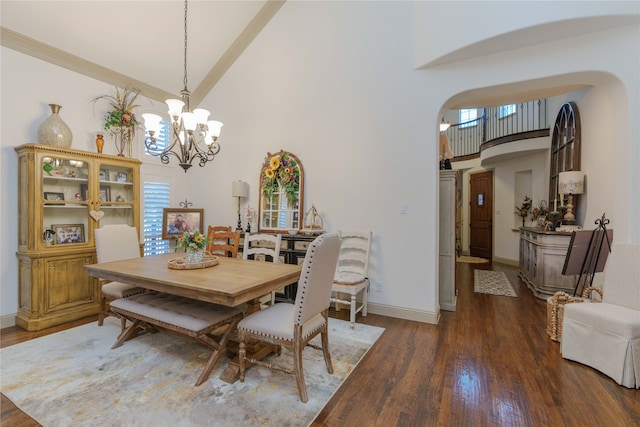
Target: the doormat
(492, 282)
(74, 378)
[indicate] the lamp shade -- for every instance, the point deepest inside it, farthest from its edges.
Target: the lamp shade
(571, 182)
(240, 189)
(202, 115)
(152, 123)
(175, 107)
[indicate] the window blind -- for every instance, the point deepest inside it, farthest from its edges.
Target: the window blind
(156, 197)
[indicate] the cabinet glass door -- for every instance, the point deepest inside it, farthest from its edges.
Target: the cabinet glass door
(65, 206)
(115, 194)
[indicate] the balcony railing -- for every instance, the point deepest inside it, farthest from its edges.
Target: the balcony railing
(466, 138)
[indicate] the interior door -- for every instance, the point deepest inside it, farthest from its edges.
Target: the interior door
(481, 214)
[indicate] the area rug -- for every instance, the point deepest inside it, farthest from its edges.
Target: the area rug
(492, 282)
(471, 259)
(74, 378)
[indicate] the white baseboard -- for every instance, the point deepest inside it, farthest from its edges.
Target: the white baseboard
(404, 313)
(7, 321)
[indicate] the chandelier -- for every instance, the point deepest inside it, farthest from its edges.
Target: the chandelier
(194, 136)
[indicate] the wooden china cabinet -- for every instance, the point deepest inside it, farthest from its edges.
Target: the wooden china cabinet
(63, 196)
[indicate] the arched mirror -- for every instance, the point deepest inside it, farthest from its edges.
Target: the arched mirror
(280, 206)
(565, 146)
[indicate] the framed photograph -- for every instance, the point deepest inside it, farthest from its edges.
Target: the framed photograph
(104, 175)
(68, 233)
(105, 193)
(83, 191)
(121, 177)
(176, 221)
(56, 197)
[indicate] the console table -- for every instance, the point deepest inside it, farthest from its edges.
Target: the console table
(542, 255)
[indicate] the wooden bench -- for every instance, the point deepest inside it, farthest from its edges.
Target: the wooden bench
(196, 319)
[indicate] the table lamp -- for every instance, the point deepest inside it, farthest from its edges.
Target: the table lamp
(570, 183)
(239, 189)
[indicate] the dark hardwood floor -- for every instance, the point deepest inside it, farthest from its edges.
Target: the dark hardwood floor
(490, 363)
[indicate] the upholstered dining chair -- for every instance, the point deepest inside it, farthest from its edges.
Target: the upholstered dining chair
(606, 335)
(116, 242)
(260, 246)
(225, 243)
(351, 274)
(294, 325)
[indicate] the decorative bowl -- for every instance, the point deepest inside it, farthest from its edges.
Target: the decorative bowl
(293, 232)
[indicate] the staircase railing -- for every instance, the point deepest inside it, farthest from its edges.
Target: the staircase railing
(466, 138)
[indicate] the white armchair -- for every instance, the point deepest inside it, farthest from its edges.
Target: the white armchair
(115, 242)
(606, 336)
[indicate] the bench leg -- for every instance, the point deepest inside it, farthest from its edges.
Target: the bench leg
(219, 349)
(130, 332)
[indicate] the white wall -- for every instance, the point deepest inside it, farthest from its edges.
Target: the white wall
(342, 95)
(334, 82)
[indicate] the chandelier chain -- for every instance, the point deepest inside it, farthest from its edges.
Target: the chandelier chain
(194, 137)
(185, 44)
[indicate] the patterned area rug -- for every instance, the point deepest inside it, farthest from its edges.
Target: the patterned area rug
(492, 282)
(74, 378)
(471, 259)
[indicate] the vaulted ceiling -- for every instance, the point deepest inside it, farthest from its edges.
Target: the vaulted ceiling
(138, 42)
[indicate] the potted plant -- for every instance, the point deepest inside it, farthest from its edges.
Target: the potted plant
(121, 122)
(193, 243)
(523, 210)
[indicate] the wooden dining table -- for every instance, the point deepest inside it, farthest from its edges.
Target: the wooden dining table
(233, 281)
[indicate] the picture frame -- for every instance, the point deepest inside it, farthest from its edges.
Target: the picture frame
(83, 191)
(104, 175)
(176, 221)
(68, 233)
(121, 177)
(104, 196)
(53, 196)
(105, 193)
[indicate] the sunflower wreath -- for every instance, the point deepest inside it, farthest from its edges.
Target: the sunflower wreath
(281, 170)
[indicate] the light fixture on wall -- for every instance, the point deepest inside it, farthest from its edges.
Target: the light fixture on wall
(187, 127)
(239, 189)
(570, 183)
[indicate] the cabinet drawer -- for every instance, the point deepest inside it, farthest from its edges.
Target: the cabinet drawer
(301, 245)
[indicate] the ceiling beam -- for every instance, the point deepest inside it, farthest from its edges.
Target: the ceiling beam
(20, 43)
(234, 51)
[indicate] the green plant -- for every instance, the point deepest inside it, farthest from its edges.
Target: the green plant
(192, 240)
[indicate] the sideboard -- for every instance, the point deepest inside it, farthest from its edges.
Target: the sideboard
(542, 255)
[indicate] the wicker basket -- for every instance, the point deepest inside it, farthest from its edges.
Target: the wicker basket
(208, 260)
(555, 309)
